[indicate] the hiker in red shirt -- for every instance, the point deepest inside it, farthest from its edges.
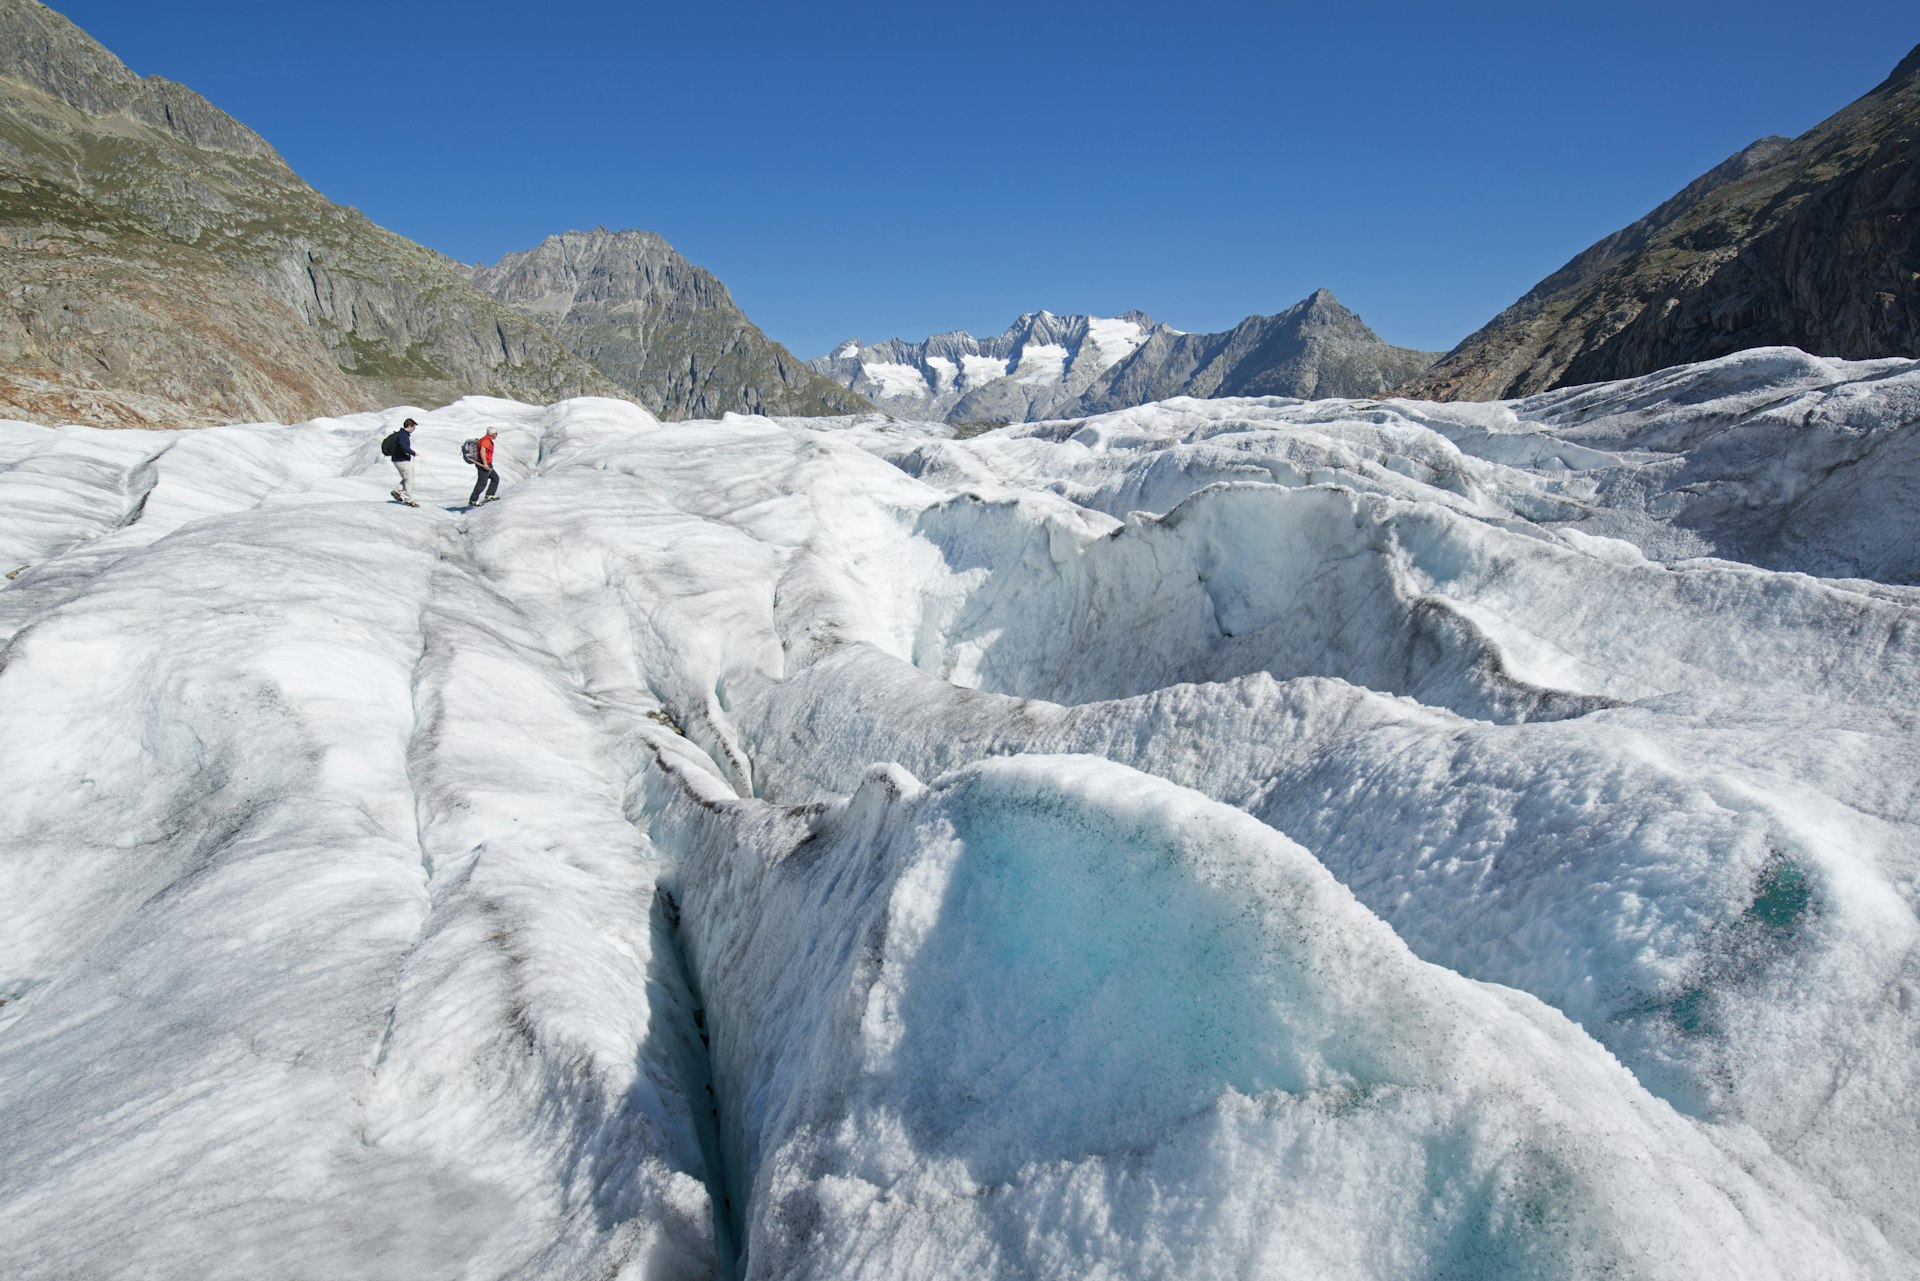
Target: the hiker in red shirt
(480, 454)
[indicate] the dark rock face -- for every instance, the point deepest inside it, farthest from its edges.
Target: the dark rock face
(163, 267)
(1811, 243)
(666, 331)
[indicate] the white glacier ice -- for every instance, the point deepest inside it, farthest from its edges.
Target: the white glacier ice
(1247, 837)
(946, 374)
(897, 380)
(976, 370)
(1114, 340)
(1043, 363)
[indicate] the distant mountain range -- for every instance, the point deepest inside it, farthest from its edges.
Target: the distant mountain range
(1048, 366)
(164, 267)
(1041, 362)
(1811, 242)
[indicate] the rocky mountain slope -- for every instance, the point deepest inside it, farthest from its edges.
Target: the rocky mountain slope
(1811, 242)
(663, 329)
(1314, 349)
(1047, 366)
(164, 266)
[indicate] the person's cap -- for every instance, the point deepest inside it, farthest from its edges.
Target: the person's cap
(409, 423)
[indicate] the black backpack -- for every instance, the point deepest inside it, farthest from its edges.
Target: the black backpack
(394, 446)
(470, 452)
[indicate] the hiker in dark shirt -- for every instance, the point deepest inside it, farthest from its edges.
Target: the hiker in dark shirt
(399, 447)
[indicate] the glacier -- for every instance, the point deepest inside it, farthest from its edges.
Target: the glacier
(1256, 837)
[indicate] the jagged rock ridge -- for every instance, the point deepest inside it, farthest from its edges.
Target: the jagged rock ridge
(1811, 242)
(1047, 366)
(656, 325)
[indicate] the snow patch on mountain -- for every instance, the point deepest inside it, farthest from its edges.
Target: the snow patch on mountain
(1041, 364)
(1221, 837)
(890, 379)
(1113, 340)
(945, 373)
(981, 370)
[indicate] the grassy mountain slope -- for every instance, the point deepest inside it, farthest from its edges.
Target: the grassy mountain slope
(163, 266)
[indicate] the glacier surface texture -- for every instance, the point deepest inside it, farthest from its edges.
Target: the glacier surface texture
(1222, 838)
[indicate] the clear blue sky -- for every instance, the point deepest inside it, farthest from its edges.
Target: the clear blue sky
(905, 168)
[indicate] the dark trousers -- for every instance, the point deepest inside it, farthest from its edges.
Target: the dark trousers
(489, 480)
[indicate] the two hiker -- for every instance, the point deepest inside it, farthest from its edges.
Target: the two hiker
(399, 447)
